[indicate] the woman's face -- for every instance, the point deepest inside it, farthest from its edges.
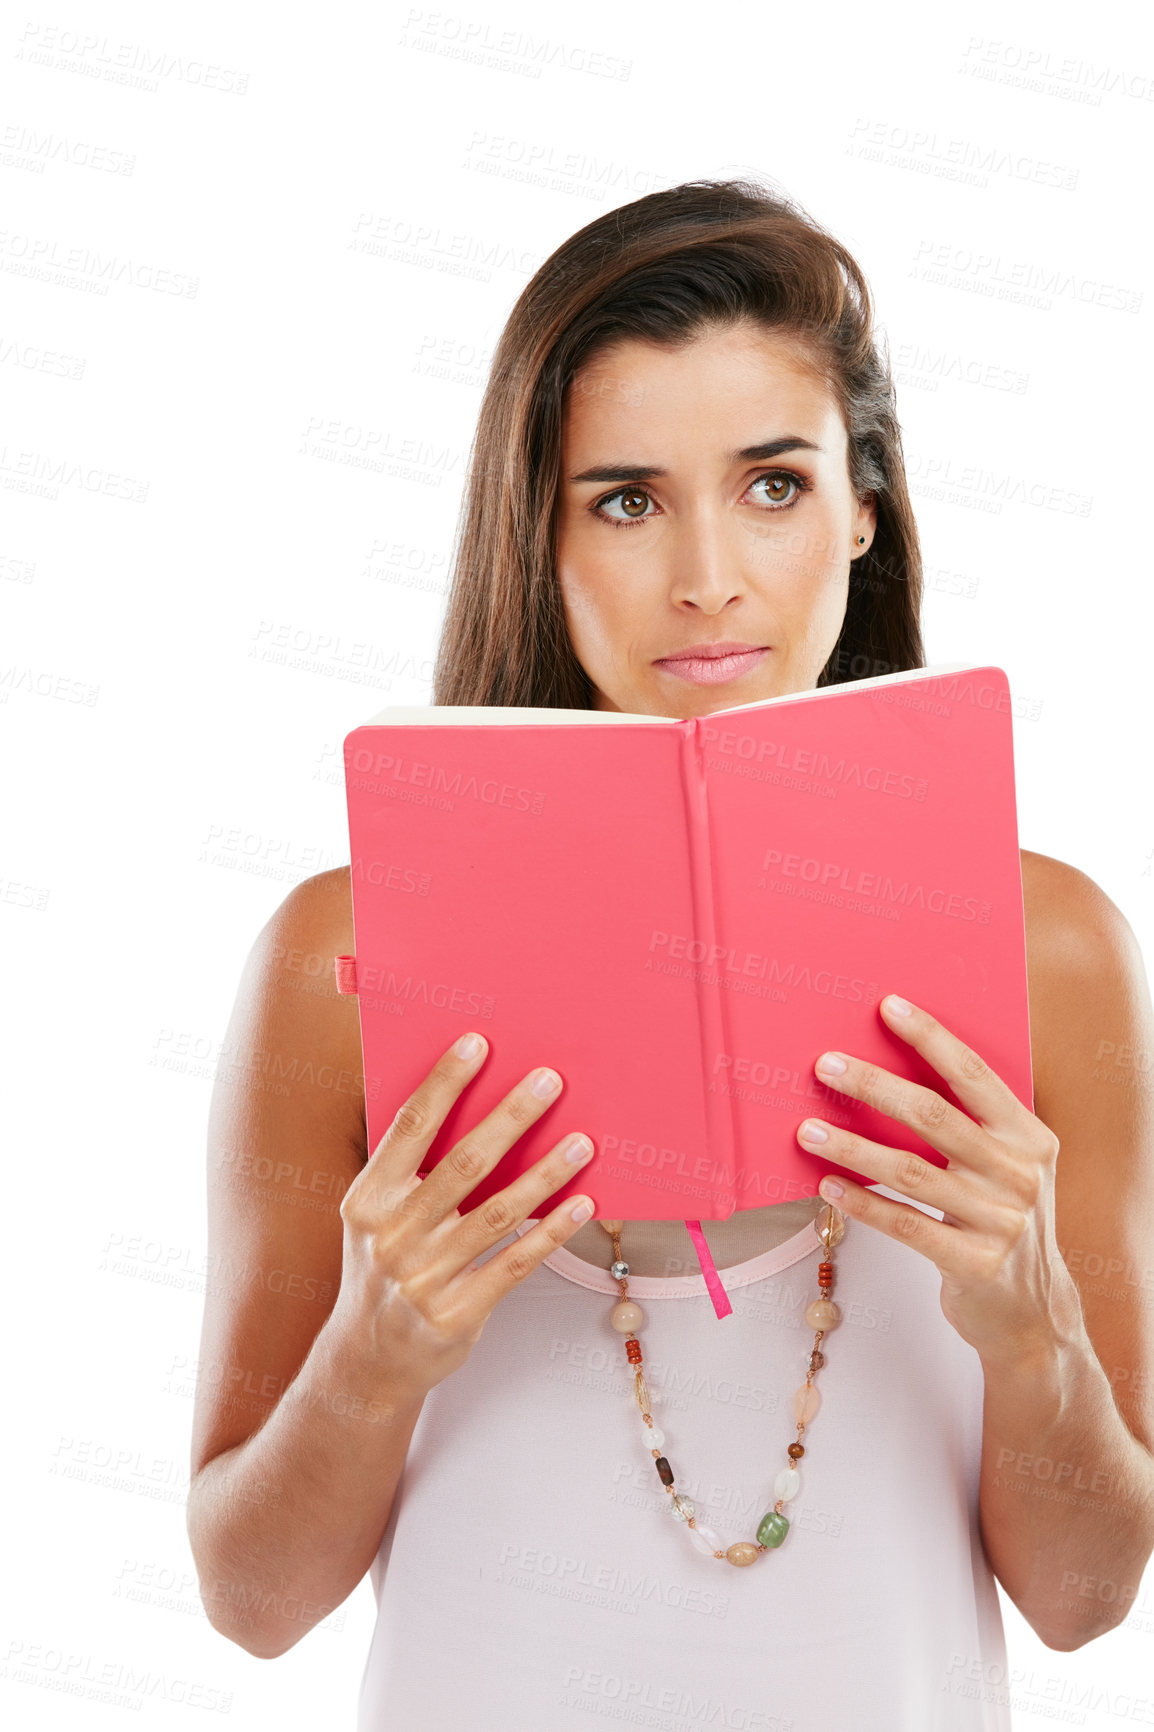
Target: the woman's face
(705, 500)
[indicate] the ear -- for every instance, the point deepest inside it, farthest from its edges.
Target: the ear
(865, 522)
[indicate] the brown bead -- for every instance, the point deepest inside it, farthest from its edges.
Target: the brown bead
(795, 1451)
(633, 1352)
(816, 1359)
(664, 1471)
(824, 1269)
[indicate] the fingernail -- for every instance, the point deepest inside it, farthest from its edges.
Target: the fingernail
(545, 1083)
(830, 1188)
(897, 1006)
(581, 1211)
(577, 1149)
(832, 1063)
(469, 1046)
(812, 1132)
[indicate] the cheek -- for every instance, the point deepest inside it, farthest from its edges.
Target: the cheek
(803, 569)
(595, 614)
(586, 599)
(601, 588)
(579, 571)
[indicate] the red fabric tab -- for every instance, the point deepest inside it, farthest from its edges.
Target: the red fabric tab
(712, 1279)
(345, 968)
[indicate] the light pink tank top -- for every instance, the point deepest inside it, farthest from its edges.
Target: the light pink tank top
(532, 1579)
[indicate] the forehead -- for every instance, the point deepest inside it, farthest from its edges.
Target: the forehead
(742, 384)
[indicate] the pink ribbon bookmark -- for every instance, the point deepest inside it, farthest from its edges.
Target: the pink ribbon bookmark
(712, 1279)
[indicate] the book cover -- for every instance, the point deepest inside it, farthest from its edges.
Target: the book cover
(680, 916)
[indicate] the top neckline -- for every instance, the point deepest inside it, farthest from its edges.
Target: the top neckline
(574, 1268)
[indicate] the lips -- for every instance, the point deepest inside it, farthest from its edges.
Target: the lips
(705, 651)
(711, 664)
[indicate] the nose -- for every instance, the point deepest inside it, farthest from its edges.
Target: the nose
(705, 570)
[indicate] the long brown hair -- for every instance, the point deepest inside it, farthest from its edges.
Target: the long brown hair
(707, 252)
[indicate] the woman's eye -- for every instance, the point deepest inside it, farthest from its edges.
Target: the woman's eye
(631, 504)
(776, 486)
(632, 501)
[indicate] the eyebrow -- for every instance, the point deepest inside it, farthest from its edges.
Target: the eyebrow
(749, 454)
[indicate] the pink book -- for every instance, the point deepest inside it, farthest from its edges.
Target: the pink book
(680, 916)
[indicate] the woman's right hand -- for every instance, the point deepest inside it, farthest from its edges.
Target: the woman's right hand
(410, 1305)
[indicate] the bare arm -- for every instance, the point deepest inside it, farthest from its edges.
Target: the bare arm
(1067, 1488)
(340, 1292)
(297, 1449)
(285, 1524)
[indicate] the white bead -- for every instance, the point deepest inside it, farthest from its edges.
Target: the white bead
(627, 1317)
(654, 1436)
(822, 1314)
(786, 1485)
(703, 1538)
(681, 1508)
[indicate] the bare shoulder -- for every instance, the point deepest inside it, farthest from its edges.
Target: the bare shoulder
(319, 915)
(1071, 923)
(292, 996)
(1087, 983)
(321, 907)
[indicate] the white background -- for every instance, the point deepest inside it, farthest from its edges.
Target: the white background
(237, 246)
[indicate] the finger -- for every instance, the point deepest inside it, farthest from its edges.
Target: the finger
(497, 1216)
(981, 1090)
(945, 1245)
(392, 1166)
(953, 1133)
(461, 1168)
(957, 1193)
(488, 1285)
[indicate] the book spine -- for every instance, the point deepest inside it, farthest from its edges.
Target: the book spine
(704, 953)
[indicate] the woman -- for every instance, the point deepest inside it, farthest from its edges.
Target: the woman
(688, 444)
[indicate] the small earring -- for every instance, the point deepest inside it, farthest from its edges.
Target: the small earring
(860, 540)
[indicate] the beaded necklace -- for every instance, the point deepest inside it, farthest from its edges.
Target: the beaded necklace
(821, 1314)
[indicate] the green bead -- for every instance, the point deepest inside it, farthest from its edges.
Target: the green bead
(772, 1529)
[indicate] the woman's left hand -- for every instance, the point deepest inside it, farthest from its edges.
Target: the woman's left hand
(1005, 1287)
